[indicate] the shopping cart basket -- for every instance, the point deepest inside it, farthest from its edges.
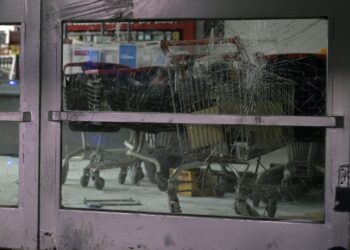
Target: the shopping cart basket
(83, 90)
(145, 89)
(215, 76)
(116, 88)
(78, 95)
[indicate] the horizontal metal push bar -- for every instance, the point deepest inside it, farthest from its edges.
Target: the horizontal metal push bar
(174, 118)
(15, 116)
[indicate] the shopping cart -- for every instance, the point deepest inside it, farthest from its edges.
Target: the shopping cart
(83, 91)
(112, 87)
(215, 76)
(146, 89)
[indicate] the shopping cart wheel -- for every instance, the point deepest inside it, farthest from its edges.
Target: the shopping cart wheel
(65, 169)
(173, 202)
(151, 172)
(256, 197)
(243, 208)
(271, 208)
(122, 175)
(219, 189)
(85, 178)
(99, 183)
(162, 182)
(175, 207)
(138, 176)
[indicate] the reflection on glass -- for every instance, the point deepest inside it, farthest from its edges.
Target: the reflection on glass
(214, 170)
(9, 167)
(9, 101)
(263, 67)
(9, 67)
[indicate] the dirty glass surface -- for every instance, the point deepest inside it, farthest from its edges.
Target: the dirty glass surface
(214, 170)
(9, 101)
(246, 67)
(9, 165)
(263, 67)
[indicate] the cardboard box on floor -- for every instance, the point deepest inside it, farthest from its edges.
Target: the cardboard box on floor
(195, 182)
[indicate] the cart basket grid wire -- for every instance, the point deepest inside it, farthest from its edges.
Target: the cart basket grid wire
(214, 76)
(108, 87)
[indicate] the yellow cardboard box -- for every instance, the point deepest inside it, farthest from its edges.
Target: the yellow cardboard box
(195, 182)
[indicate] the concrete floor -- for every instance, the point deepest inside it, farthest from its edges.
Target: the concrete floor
(309, 207)
(8, 181)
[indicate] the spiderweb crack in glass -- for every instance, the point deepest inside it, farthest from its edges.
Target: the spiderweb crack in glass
(238, 67)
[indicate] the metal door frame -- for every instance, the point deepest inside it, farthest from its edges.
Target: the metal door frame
(19, 225)
(80, 229)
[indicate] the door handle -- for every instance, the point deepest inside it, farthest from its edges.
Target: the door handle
(15, 116)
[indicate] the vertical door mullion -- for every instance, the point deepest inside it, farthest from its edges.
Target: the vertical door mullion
(21, 223)
(30, 131)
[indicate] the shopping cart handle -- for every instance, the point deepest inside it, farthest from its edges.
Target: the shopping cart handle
(239, 55)
(129, 145)
(200, 41)
(123, 71)
(94, 65)
(164, 44)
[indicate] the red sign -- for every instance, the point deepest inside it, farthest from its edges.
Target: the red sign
(81, 52)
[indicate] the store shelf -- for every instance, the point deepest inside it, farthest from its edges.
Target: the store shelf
(187, 28)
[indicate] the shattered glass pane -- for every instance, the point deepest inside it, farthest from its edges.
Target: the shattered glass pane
(265, 67)
(245, 67)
